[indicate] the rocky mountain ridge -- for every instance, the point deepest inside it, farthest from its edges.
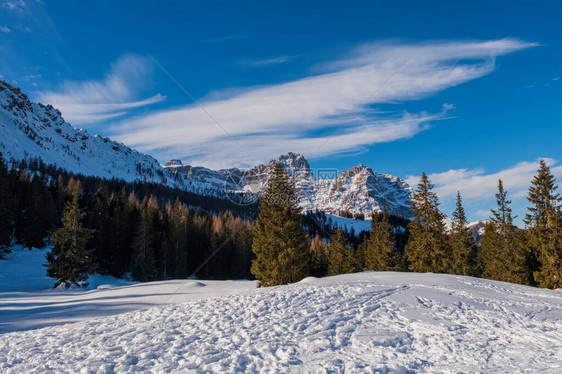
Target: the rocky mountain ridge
(358, 190)
(31, 130)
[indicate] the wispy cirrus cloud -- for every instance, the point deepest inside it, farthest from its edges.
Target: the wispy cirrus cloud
(5, 29)
(111, 97)
(267, 61)
(332, 108)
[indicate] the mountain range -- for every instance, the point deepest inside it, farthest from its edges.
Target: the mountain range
(31, 130)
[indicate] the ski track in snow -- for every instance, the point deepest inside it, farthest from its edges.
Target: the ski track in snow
(364, 323)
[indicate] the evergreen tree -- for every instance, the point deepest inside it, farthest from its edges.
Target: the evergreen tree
(319, 256)
(34, 221)
(177, 240)
(461, 243)
(279, 241)
(503, 254)
(380, 250)
(544, 222)
(427, 250)
(243, 255)
(99, 220)
(70, 261)
(143, 262)
(340, 255)
(6, 224)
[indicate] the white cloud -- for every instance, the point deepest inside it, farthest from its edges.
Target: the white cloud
(266, 62)
(283, 117)
(113, 96)
(478, 188)
(474, 184)
(14, 4)
(5, 29)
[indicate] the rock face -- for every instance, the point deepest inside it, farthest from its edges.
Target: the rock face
(358, 190)
(32, 130)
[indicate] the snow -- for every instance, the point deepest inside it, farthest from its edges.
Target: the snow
(347, 223)
(28, 300)
(365, 323)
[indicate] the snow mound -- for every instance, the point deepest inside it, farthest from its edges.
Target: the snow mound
(360, 323)
(195, 284)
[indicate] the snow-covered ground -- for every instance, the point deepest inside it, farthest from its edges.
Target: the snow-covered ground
(366, 322)
(347, 224)
(28, 300)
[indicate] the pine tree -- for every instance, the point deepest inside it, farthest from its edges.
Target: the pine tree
(242, 256)
(427, 250)
(318, 257)
(143, 262)
(34, 222)
(461, 243)
(70, 261)
(380, 250)
(503, 254)
(544, 222)
(340, 255)
(6, 225)
(177, 240)
(279, 241)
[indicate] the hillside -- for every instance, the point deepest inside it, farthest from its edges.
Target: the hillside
(33, 130)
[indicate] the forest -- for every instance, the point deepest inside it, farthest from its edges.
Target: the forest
(152, 232)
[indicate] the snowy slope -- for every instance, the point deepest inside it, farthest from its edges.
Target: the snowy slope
(360, 323)
(33, 130)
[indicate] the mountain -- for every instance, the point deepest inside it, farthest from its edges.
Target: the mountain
(31, 130)
(358, 190)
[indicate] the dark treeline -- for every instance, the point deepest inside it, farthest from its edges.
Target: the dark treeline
(153, 232)
(146, 230)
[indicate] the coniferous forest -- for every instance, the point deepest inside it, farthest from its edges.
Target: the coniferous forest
(151, 232)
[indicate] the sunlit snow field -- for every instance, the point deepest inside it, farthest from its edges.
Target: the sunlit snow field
(366, 322)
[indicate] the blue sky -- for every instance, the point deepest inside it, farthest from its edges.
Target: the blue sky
(467, 93)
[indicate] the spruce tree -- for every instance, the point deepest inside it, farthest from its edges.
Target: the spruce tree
(544, 222)
(319, 256)
(461, 243)
(427, 250)
(279, 243)
(6, 224)
(70, 261)
(340, 255)
(177, 240)
(34, 220)
(143, 261)
(503, 254)
(380, 250)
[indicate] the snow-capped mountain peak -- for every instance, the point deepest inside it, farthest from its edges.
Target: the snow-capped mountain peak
(32, 130)
(358, 190)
